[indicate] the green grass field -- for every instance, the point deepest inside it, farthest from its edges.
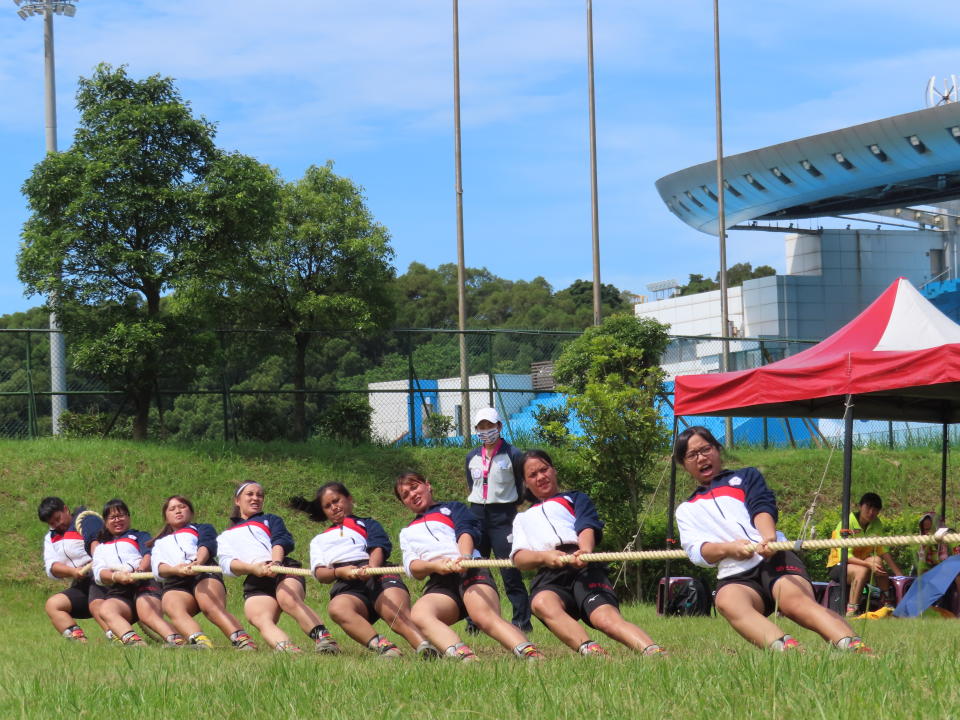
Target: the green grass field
(710, 673)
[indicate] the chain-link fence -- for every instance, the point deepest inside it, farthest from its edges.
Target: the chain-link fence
(401, 386)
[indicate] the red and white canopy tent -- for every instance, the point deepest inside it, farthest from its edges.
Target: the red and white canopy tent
(897, 360)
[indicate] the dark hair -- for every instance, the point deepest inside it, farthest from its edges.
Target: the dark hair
(166, 529)
(235, 510)
(871, 499)
(535, 454)
(407, 477)
(115, 504)
(683, 439)
(48, 506)
(314, 508)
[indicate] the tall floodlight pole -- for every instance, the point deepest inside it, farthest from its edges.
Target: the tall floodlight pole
(58, 353)
(721, 215)
(594, 212)
(461, 269)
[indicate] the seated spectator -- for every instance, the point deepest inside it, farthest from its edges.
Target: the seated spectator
(864, 564)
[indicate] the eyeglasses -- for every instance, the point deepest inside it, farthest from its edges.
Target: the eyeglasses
(702, 451)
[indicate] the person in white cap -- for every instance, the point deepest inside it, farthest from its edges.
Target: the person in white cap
(495, 487)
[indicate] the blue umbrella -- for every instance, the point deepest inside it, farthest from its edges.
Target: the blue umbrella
(928, 588)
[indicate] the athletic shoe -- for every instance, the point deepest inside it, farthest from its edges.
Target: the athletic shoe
(326, 645)
(593, 649)
(174, 641)
(131, 639)
(787, 643)
(463, 653)
(426, 651)
(75, 634)
(201, 641)
(244, 642)
(386, 649)
(285, 646)
(855, 645)
(655, 649)
(530, 652)
(852, 610)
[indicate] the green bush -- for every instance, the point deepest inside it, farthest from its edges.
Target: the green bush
(346, 419)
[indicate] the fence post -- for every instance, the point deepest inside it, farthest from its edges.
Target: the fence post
(31, 399)
(224, 388)
(411, 406)
(490, 367)
(890, 433)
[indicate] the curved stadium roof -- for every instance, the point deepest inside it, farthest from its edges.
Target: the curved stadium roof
(894, 162)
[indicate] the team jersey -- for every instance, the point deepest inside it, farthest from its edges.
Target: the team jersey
(71, 547)
(252, 540)
(724, 512)
(349, 542)
(181, 546)
(434, 533)
(123, 552)
(556, 521)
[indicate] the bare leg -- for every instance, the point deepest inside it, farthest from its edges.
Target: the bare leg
(794, 597)
(180, 607)
(393, 606)
(150, 613)
(290, 597)
(212, 598)
(434, 614)
(263, 612)
(547, 606)
(483, 605)
(608, 620)
(117, 615)
(349, 612)
(58, 608)
(95, 607)
(857, 577)
(743, 609)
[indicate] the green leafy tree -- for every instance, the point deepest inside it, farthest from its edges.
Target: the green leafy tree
(142, 205)
(326, 266)
(613, 378)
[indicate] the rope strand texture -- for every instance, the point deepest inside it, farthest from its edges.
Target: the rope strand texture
(637, 555)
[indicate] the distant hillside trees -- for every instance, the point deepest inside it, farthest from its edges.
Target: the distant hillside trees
(736, 275)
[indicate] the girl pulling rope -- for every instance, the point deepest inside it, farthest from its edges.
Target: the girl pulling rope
(729, 522)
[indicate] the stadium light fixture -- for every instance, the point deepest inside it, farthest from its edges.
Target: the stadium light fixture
(878, 152)
(810, 168)
(842, 160)
(916, 143)
(779, 175)
(955, 132)
(29, 8)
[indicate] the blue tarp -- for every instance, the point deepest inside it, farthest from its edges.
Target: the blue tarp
(928, 588)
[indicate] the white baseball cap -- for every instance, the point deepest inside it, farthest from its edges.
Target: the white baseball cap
(488, 413)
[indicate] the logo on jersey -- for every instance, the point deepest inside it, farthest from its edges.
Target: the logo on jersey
(445, 511)
(735, 481)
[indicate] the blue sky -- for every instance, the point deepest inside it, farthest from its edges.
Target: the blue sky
(368, 84)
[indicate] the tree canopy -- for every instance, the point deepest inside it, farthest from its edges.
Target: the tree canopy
(142, 204)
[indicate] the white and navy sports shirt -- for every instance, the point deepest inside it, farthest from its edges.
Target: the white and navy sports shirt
(123, 552)
(351, 541)
(181, 546)
(434, 533)
(724, 512)
(70, 548)
(252, 540)
(556, 521)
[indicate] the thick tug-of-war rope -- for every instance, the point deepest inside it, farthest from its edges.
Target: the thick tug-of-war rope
(891, 540)
(940, 536)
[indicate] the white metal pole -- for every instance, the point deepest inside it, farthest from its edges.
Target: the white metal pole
(594, 211)
(58, 351)
(461, 268)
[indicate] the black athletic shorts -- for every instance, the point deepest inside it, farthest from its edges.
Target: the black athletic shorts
(188, 584)
(835, 572)
(367, 590)
(79, 596)
(762, 577)
(128, 594)
(455, 584)
(581, 590)
(253, 585)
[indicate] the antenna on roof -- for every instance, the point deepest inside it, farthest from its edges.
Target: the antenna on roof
(949, 94)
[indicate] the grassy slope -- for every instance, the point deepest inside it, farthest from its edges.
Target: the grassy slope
(712, 672)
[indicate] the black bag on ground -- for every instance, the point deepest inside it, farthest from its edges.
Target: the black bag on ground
(690, 597)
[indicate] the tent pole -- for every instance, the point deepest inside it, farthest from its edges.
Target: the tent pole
(943, 473)
(845, 508)
(670, 503)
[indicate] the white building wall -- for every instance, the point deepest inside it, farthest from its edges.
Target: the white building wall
(695, 314)
(389, 421)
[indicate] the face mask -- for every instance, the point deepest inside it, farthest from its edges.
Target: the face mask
(488, 437)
